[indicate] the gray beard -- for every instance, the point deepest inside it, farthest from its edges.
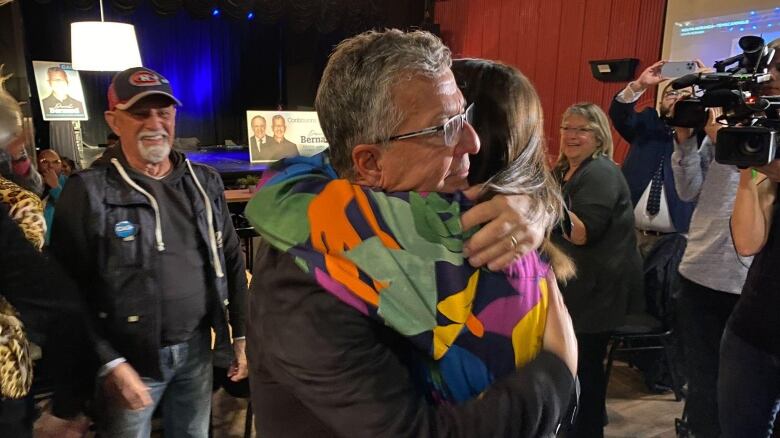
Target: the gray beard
(154, 154)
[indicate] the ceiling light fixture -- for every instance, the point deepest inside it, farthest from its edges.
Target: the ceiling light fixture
(103, 45)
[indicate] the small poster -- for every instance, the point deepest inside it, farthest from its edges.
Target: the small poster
(59, 91)
(274, 135)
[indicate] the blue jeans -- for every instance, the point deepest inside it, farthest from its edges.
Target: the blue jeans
(185, 393)
(748, 388)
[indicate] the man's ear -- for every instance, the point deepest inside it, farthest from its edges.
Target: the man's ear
(366, 163)
(111, 120)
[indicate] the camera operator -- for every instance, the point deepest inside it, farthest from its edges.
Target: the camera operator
(712, 274)
(749, 375)
(658, 210)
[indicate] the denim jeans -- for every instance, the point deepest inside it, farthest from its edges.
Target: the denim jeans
(185, 394)
(748, 388)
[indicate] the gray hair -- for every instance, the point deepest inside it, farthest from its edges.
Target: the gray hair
(355, 98)
(10, 115)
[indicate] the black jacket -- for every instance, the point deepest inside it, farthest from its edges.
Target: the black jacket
(609, 284)
(117, 276)
(319, 368)
(52, 311)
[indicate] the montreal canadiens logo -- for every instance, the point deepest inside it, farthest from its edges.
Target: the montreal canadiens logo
(144, 79)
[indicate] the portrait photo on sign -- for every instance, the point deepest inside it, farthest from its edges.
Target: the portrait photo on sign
(59, 91)
(273, 135)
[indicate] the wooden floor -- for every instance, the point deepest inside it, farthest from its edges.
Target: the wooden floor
(634, 412)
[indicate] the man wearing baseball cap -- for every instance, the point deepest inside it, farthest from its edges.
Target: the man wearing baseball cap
(148, 237)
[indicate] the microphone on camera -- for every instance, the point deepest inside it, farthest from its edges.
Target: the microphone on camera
(686, 81)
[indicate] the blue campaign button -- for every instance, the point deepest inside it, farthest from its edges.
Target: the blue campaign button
(125, 230)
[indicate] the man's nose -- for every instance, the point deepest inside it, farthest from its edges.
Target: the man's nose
(469, 141)
(153, 121)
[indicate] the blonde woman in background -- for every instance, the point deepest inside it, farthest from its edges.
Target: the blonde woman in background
(597, 231)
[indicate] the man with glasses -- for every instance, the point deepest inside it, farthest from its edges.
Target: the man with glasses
(395, 121)
(658, 210)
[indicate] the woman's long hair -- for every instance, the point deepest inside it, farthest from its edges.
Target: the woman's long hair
(509, 121)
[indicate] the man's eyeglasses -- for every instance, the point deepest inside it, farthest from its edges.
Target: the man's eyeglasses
(576, 131)
(50, 161)
(452, 128)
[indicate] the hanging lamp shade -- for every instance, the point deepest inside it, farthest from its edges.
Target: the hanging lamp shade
(103, 46)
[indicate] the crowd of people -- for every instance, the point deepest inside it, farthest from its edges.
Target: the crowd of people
(429, 275)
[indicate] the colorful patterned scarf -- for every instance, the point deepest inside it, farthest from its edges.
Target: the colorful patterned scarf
(398, 258)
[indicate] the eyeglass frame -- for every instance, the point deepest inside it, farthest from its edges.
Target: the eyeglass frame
(50, 161)
(467, 116)
(579, 131)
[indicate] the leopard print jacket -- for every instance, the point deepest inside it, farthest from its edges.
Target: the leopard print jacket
(26, 209)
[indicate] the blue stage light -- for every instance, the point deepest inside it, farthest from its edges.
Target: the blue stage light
(250, 15)
(215, 12)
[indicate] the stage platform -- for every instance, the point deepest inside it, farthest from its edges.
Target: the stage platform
(231, 163)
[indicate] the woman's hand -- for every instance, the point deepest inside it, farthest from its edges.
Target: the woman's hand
(508, 233)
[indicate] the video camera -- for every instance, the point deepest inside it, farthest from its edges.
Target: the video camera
(751, 135)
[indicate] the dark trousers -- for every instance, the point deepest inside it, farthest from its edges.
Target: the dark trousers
(592, 350)
(748, 388)
(702, 315)
(16, 417)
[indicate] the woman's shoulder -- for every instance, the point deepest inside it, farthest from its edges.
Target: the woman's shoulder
(600, 168)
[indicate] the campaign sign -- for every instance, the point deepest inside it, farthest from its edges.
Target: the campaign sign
(274, 135)
(59, 91)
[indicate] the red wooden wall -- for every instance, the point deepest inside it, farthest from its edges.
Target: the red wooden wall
(551, 41)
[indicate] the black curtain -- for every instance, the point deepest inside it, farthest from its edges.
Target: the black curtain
(218, 67)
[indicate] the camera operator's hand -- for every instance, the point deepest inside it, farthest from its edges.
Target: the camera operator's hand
(771, 170)
(713, 126)
(701, 68)
(650, 76)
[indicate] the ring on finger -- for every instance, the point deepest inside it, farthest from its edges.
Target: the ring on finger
(515, 243)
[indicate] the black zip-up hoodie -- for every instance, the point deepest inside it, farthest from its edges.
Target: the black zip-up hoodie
(107, 234)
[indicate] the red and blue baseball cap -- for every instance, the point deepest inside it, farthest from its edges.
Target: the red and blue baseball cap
(133, 84)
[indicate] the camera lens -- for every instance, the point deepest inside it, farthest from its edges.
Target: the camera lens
(751, 145)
